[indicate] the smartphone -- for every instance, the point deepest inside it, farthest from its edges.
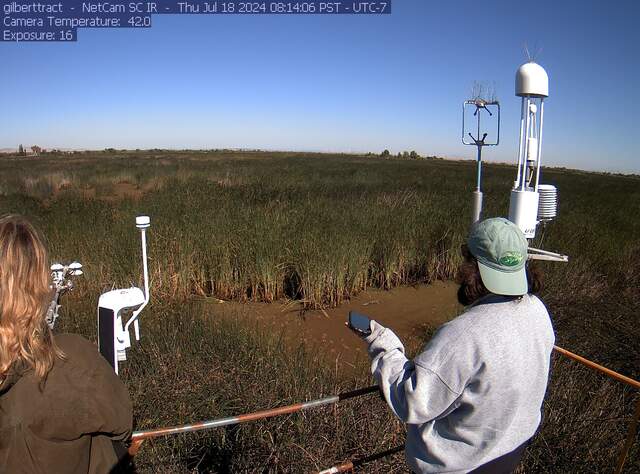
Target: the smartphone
(359, 323)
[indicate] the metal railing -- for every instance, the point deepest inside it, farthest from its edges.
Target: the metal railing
(633, 426)
(349, 466)
(139, 437)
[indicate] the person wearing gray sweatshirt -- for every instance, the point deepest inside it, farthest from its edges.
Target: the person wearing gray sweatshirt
(472, 399)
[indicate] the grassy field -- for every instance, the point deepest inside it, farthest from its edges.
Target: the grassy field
(321, 228)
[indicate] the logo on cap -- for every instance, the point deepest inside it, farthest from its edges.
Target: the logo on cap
(511, 259)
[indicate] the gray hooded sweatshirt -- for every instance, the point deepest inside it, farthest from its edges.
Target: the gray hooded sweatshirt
(475, 392)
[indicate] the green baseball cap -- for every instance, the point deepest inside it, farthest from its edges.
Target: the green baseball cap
(501, 250)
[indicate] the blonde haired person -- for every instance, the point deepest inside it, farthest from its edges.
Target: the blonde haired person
(62, 408)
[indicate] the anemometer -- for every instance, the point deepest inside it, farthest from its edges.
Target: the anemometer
(480, 106)
(62, 282)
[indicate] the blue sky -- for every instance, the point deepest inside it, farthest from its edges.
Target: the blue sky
(334, 83)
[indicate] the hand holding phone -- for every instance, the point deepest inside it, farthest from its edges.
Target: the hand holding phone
(359, 323)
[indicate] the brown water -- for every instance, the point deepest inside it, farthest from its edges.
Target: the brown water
(408, 311)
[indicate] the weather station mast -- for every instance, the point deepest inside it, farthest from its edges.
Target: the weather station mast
(530, 203)
(483, 103)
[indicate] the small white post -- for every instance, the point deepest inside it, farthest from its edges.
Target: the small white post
(142, 223)
(477, 206)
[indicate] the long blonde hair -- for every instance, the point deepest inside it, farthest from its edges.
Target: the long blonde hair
(25, 295)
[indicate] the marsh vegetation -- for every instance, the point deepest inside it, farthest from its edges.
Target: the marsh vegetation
(319, 229)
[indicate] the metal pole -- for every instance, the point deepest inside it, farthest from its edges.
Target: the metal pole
(633, 427)
(539, 160)
(479, 174)
(138, 437)
(477, 194)
(350, 465)
(145, 265)
(526, 145)
(478, 112)
(521, 141)
(598, 367)
(549, 258)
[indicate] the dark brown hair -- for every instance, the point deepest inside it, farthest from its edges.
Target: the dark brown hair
(471, 286)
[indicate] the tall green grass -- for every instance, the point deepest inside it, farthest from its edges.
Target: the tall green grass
(319, 229)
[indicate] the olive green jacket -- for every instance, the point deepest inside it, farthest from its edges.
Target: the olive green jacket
(69, 424)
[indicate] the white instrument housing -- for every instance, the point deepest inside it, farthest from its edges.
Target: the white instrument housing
(532, 85)
(523, 211)
(531, 203)
(113, 332)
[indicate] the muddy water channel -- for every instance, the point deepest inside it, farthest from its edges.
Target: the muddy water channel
(409, 311)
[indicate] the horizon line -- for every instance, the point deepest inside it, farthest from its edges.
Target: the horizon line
(11, 150)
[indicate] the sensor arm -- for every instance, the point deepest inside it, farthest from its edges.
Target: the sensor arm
(538, 254)
(142, 222)
(61, 275)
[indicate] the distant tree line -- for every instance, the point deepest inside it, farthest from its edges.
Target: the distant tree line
(407, 155)
(35, 150)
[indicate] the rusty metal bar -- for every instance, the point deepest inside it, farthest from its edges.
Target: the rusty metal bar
(349, 466)
(611, 373)
(633, 428)
(344, 467)
(138, 437)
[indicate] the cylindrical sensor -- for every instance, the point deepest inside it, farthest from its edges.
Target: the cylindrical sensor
(532, 151)
(523, 211)
(142, 222)
(477, 206)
